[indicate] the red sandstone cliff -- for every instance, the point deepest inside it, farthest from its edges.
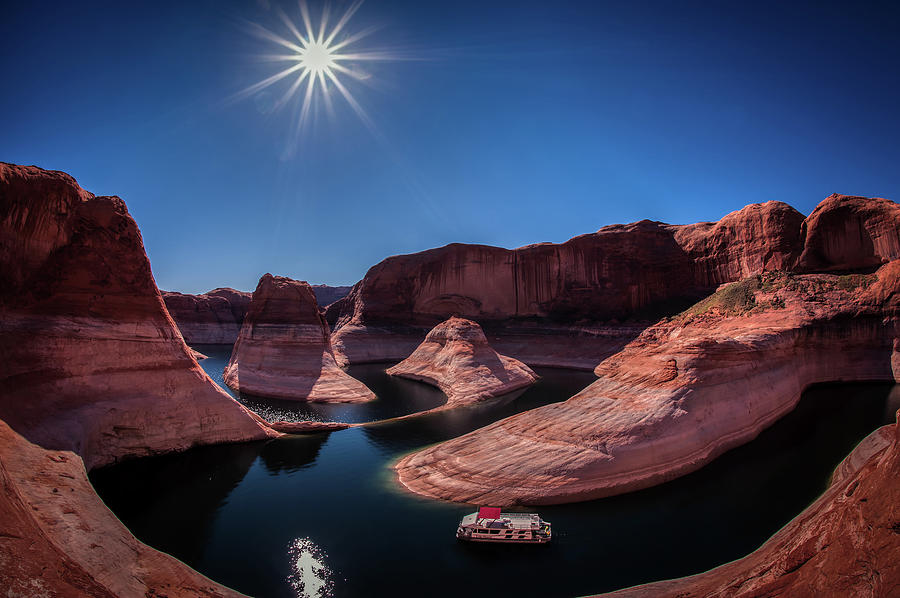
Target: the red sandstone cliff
(456, 357)
(212, 318)
(284, 348)
(93, 368)
(621, 271)
(679, 395)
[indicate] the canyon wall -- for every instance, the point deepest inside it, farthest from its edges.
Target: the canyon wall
(284, 348)
(94, 370)
(213, 318)
(683, 392)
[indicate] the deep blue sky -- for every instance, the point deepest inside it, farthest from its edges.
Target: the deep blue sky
(533, 121)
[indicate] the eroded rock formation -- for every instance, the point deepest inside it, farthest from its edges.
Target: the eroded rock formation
(94, 370)
(456, 357)
(685, 391)
(213, 318)
(284, 348)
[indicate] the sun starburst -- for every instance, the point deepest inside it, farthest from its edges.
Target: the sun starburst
(318, 58)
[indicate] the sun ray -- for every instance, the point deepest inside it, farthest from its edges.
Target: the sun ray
(290, 25)
(267, 82)
(264, 33)
(343, 21)
(321, 39)
(354, 38)
(307, 22)
(291, 90)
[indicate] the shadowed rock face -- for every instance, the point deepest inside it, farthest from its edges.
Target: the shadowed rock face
(326, 295)
(679, 395)
(93, 368)
(849, 232)
(284, 348)
(456, 357)
(844, 544)
(212, 318)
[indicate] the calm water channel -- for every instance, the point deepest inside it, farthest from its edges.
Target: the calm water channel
(320, 515)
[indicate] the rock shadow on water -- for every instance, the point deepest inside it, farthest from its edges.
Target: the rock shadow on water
(186, 490)
(404, 434)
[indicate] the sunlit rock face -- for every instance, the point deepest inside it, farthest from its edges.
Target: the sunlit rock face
(683, 392)
(212, 318)
(284, 348)
(94, 370)
(620, 272)
(456, 357)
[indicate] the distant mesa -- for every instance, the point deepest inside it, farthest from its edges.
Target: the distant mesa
(456, 357)
(284, 349)
(212, 318)
(216, 317)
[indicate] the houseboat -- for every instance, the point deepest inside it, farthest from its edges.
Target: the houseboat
(490, 525)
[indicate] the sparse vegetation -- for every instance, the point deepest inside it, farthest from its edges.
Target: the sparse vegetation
(852, 282)
(735, 299)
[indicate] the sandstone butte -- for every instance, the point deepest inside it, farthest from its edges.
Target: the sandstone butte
(456, 357)
(94, 372)
(215, 317)
(284, 348)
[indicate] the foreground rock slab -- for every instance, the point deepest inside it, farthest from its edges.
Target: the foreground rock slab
(682, 393)
(456, 357)
(284, 349)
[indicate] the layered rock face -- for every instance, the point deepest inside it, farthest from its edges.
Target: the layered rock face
(457, 358)
(679, 395)
(93, 368)
(284, 348)
(621, 271)
(213, 318)
(844, 544)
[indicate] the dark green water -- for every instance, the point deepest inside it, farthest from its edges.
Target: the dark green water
(245, 515)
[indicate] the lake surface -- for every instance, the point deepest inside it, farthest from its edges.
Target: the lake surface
(321, 515)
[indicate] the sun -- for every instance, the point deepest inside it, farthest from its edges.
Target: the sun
(318, 59)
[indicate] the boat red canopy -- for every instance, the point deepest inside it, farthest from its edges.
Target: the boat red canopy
(489, 513)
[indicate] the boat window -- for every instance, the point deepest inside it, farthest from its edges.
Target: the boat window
(495, 531)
